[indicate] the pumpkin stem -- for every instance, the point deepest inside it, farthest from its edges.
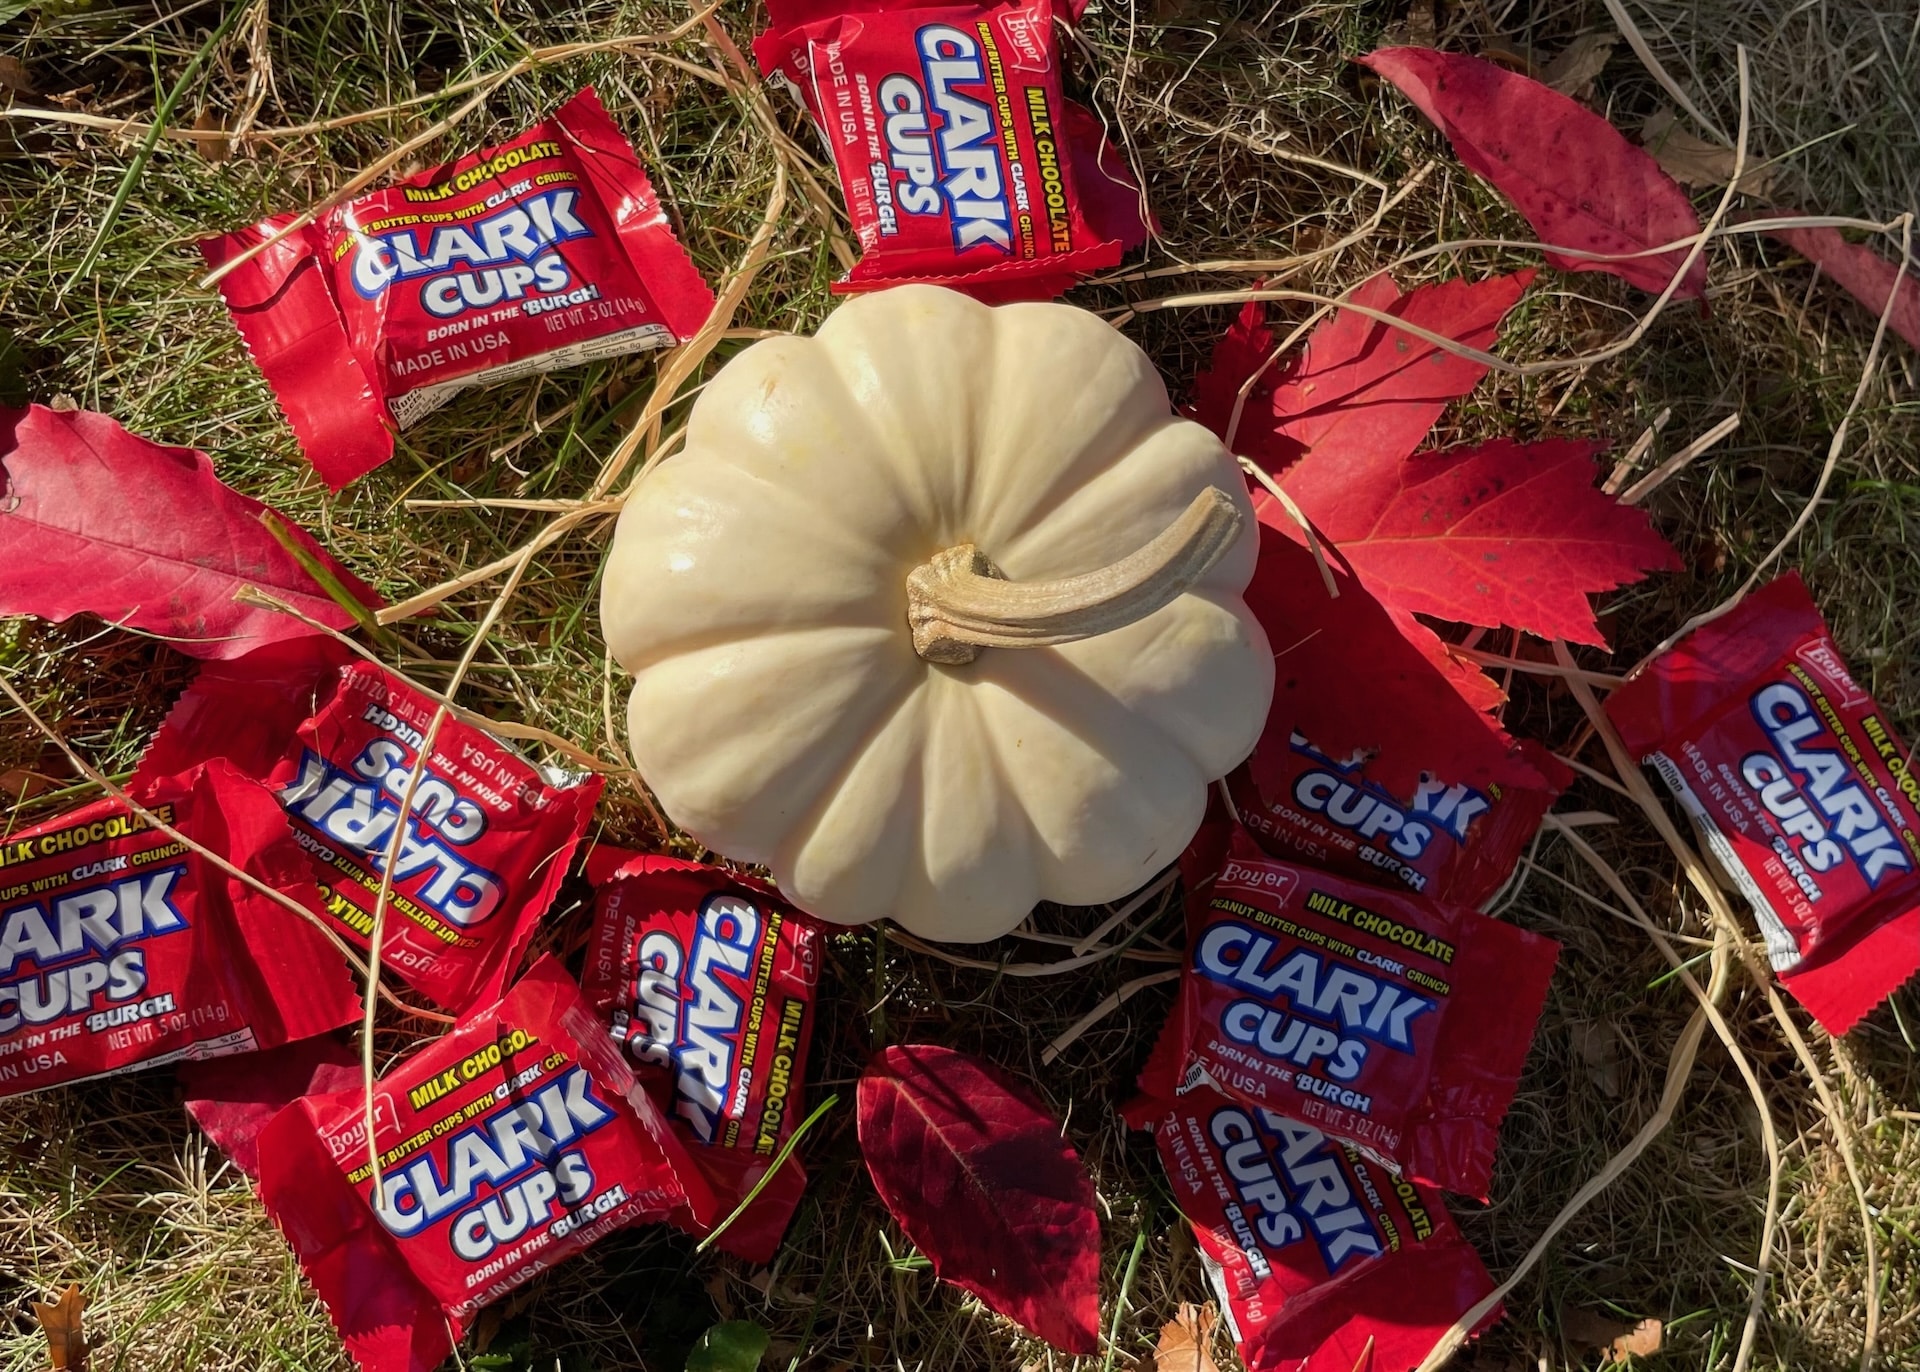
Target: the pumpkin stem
(958, 602)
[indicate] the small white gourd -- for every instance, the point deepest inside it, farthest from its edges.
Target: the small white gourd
(937, 614)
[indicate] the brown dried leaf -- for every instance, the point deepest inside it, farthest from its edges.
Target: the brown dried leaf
(18, 784)
(1185, 1341)
(60, 1321)
(1642, 1341)
(14, 78)
(719, 1291)
(1584, 1329)
(1418, 30)
(1580, 63)
(214, 147)
(487, 1328)
(1598, 1044)
(1694, 161)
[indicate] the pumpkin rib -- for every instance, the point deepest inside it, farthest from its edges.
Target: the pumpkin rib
(825, 527)
(1077, 876)
(1107, 444)
(960, 738)
(1085, 710)
(806, 825)
(939, 513)
(1108, 511)
(874, 456)
(1228, 747)
(745, 707)
(724, 636)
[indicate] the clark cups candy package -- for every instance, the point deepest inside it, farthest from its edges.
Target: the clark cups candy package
(540, 253)
(1323, 1260)
(487, 838)
(708, 980)
(1801, 789)
(503, 1148)
(1452, 843)
(961, 160)
(1382, 1019)
(121, 948)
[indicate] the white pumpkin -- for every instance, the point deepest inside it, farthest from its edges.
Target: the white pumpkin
(786, 712)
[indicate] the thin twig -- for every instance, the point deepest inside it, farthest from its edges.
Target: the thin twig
(1679, 1067)
(539, 57)
(1638, 42)
(1631, 458)
(1694, 243)
(391, 858)
(1654, 479)
(1604, 680)
(1299, 517)
(1073, 1032)
(1839, 442)
(531, 733)
(1126, 911)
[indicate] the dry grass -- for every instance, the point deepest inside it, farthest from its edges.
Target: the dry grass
(109, 1186)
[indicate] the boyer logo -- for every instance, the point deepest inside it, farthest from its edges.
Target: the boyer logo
(1260, 876)
(350, 1137)
(1819, 658)
(1026, 32)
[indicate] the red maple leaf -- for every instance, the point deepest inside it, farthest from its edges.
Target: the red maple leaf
(1503, 534)
(977, 1175)
(1359, 389)
(1577, 180)
(100, 521)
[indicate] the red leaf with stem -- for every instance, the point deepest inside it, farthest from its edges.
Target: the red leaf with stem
(96, 520)
(979, 1178)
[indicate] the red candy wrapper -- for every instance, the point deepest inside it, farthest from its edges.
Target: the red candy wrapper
(1452, 843)
(1323, 1262)
(335, 739)
(1801, 789)
(962, 162)
(540, 253)
(121, 948)
(1390, 1022)
(709, 979)
(233, 1099)
(505, 1147)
